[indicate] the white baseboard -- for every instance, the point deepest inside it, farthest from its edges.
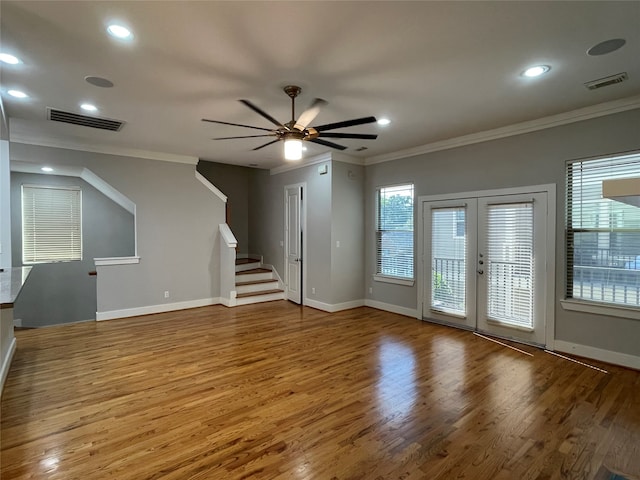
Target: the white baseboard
(609, 356)
(6, 363)
(165, 307)
(388, 307)
(333, 307)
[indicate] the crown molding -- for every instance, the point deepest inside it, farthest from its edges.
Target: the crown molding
(108, 150)
(586, 113)
(342, 158)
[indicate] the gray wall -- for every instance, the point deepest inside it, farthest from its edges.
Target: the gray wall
(233, 181)
(529, 159)
(177, 227)
(64, 292)
(347, 227)
(334, 205)
(266, 223)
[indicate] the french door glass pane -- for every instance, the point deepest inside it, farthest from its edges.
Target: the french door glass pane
(448, 260)
(508, 263)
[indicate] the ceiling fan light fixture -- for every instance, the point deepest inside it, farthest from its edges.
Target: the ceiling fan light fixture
(293, 149)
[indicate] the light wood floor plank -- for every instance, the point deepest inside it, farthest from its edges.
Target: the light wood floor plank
(275, 391)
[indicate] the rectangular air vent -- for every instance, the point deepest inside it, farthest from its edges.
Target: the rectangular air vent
(606, 81)
(84, 120)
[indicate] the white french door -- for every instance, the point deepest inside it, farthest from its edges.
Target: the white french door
(484, 264)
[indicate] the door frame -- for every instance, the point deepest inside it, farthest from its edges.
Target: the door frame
(285, 243)
(550, 246)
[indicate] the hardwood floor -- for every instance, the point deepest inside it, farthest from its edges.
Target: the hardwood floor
(274, 391)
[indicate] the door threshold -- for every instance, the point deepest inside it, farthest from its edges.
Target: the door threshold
(502, 343)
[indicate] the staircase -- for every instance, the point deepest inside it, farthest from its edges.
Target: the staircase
(255, 283)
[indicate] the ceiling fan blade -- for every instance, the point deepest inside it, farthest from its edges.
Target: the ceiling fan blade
(266, 144)
(328, 144)
(310, 113)
(235, 124)
(259, 111)
(347, 123)
(362, 136)
(244, 136)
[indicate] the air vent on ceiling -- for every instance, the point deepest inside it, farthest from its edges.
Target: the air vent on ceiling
(606, 81)
(84, 120)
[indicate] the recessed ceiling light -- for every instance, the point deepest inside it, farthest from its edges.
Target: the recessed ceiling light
(536, 71)
(118, 31)
(47, 169)
(384, 121)
(17, 94)
(88, 107)
(8, 58)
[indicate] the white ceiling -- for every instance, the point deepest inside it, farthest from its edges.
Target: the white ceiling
(438, 70)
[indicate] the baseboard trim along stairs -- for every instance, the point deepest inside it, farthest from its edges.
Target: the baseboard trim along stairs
(256, 282)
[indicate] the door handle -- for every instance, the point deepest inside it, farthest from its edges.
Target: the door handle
(297, 260)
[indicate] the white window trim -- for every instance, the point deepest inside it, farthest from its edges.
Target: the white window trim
(397, 280)
(106, 261)
(600, 308)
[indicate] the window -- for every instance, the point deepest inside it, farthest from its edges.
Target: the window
(603, 235)
(448, 260)
(459, 225)
(51, 224)
(394, 232)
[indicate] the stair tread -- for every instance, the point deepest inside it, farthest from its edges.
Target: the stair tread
(255, 270)
(244, 261)
(256, 282)
(256, 294)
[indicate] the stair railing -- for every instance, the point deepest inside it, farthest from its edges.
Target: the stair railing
(228, 244)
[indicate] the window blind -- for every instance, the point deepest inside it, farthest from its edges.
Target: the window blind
(509, 263)
(448, 260)
(603, 235)
(51, 224)
(394, 234)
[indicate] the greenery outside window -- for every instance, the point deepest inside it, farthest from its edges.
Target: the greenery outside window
(394, 232)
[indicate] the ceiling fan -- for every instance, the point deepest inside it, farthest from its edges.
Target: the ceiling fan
(294, 132)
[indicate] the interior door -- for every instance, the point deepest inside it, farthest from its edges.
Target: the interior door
(484, 264)
(293, 243)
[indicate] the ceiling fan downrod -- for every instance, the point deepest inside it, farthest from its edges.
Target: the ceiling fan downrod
(293, 91)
